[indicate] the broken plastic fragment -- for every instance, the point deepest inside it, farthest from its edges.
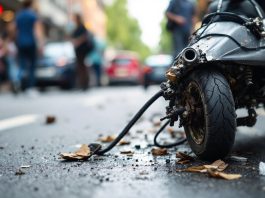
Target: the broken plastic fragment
(83, 153)
(262, 168)
(159, 151)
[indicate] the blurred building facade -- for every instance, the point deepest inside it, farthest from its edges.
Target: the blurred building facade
(56, 15)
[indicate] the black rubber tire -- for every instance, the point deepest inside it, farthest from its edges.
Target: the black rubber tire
(218, 113)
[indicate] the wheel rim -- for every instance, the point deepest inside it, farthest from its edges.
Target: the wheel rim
(196, 119)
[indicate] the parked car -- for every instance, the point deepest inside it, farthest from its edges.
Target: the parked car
(57, 66)
(155, 69)
(124, 68)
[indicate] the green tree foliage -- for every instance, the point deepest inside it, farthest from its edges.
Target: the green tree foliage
(123, 31)
(165, 44)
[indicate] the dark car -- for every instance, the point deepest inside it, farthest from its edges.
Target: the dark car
(57, 66)
(124, 68)
(155, 69)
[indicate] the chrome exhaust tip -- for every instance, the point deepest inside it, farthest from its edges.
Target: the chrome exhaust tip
(190, 56)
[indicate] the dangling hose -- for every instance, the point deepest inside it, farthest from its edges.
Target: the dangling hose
(167, 145)
(131, 123)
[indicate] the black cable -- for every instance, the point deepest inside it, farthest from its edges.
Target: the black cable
(181, 141)
(131, 123)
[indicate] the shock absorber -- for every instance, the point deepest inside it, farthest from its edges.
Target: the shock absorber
(248, 77)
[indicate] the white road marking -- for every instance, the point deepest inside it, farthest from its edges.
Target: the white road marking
(17, 121)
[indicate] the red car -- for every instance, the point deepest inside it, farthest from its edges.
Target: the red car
(124, 68)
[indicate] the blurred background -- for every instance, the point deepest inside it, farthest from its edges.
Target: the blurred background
(132, 43)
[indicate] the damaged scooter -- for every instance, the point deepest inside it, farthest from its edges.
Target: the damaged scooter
(222, 70)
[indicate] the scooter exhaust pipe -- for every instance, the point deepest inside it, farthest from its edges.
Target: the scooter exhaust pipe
(190, 56)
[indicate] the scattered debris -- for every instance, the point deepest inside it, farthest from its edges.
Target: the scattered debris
(184, 158)
(107, 139)
(143, 173)
(83, 153)
(124, 142)
(129, 153)
(2, 147)
(25, 166)
(218, 165)
(159, 151)
(157, 123)
(221, 175)
(50, 119)
(262, 168)
(137, 146)
(214, 170)
(238, 159)
(20, 172)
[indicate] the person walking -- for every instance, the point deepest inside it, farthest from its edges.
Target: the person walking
(180, 15)
(83, 45)
(26, 33)
(96, 58)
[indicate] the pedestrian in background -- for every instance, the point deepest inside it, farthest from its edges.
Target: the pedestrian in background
(83, 44)
(180, 15)
(96, 58)
(27, 24)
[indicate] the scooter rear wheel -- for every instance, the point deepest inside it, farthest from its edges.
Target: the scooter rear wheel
(211, 123)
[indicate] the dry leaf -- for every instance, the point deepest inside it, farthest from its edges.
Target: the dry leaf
(107, 139)
(81, 154)
(50, 119)
(196, 169)
(183, 161)
(159, 151)
(124, 142)
(156, 123)
(223, 175)
(218, 165)
(184, 158)
(127, 152)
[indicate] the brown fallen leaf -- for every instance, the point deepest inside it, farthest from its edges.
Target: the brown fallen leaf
(223, 175)
(126, 152)
(83, 153)
(183, 161)
(124, 142)
(50, 119)
(106, 139)
(196, 169)
(217, 165)
(156, 123)
(175, 134)
(159, 151)
(184, 158)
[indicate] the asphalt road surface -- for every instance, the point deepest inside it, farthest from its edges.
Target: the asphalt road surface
(81, 117)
